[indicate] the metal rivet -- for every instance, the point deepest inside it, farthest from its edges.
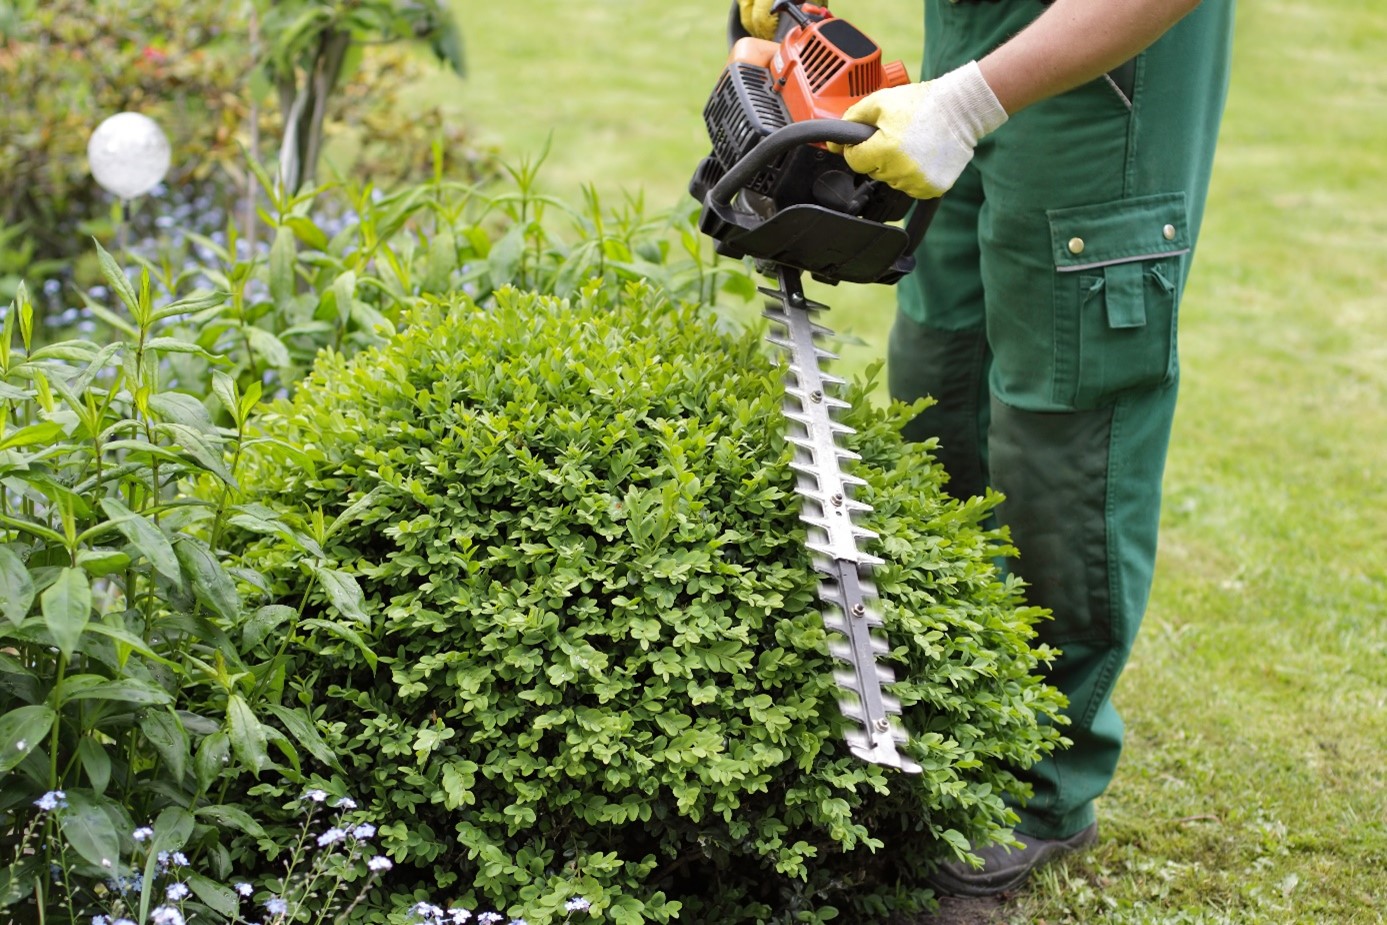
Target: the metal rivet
(816, 396)
(883, 724)
(859, 610)
(1076, 245)
(1169, 232)
(837, 500)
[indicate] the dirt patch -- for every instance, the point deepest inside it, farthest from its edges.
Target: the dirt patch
(960, 910)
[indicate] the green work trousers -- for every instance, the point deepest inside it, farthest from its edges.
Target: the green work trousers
(1042, 319)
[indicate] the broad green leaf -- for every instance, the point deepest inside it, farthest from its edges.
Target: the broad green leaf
(42, 432)
(164, 731)
(231, 817)
(282, 253)
(124, 690)
(344, 593)
(99, 563)
(88, 828)
(21, 731)
(247, 735)
(263, 622)
(67, 606)
(95, 763)
(267, 347)
(345, 632)
(145, 537)
(16, 587)
(219, 898)
(174, 345)
(305, 733)
(212, 586)
(117, 280)
(181, 408)
(213, 752)
(224, 387)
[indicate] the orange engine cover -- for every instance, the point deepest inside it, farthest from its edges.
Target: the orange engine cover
(822, 68)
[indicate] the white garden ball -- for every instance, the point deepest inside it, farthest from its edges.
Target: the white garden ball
(128, 154)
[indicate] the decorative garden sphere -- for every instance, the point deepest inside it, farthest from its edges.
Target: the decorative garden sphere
(128, 154)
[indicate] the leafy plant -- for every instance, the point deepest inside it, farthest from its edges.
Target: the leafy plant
(555, 616)
(115, 604)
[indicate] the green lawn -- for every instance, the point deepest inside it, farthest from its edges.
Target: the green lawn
(1254, 787)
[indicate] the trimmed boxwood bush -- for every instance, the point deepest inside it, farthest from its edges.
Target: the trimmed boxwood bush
(557, 624)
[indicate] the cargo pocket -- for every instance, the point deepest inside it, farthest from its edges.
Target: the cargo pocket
(1118, 266)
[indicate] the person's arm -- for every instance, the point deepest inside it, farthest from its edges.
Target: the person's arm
(1073, 42)
(926, 132)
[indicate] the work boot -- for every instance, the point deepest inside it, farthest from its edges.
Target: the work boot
(1005, 868)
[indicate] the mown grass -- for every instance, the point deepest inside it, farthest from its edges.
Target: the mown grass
(1253, 788)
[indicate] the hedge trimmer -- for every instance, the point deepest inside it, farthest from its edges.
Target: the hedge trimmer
(771, 190)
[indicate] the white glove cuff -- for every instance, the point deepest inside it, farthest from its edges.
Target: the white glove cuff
(969, 103)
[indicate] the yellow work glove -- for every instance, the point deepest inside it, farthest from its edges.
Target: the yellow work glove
(926, 132)
(757, 18)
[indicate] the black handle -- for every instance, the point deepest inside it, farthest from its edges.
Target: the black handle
(777, 143)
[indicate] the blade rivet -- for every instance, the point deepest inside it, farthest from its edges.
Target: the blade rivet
(859, 610)
(883, 724)
(837, 500)
(816, 396)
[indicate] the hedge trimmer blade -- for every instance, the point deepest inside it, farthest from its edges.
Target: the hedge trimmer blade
(845, 589)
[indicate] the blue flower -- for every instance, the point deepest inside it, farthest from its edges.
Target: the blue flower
(245, 889)
(177, 891)
(276, 906)
(331, 837)
(363, 831)
(317, 796)
(379, 863)
(166, 915)
(53, 799)
(142, 833)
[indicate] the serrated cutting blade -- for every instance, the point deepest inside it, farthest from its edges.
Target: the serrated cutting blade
(846, 591)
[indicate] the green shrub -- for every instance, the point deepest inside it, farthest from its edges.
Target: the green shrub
(553, 615)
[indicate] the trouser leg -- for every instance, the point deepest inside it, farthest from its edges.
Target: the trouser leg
(1085, 209)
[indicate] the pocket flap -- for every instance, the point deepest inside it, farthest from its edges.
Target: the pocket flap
(1098, 235)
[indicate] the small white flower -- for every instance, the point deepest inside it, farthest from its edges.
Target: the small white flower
(363, 831)
(459, 916)
(166, 915)
(123, 922)
(331, 837)
(51, 800)
(19, 746)
(317, 796)
(489, 918)
(345, 803)
(179, 859)
(577, 904)
(245, 889)
(176, 891)
(101, 920)
(518, 922)
(276, 906)
(379, 862)
(142, 833)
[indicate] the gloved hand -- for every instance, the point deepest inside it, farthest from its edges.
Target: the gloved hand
(926, 132)
(757, 18)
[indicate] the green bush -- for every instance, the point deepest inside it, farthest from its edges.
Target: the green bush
(548, 605)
